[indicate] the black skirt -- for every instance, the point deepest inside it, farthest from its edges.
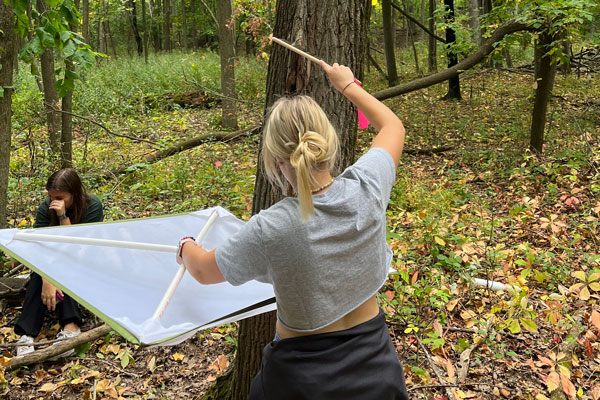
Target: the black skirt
(358, 363)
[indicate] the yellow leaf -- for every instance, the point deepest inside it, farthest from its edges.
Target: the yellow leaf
(114, 348)
(514, 326)
(584, 294)
(594, 277)
(22, 223)
(451, 304)
(529, 325)
(48, 387)
(178, 357)
(102, 385)
(552, 381)
(439, 241)
(152, 364)
(595, 286)
(579, 275)
(540, 396)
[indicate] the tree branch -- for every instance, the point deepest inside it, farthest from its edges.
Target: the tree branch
(416, 22)
(467, 63)
(211, 13)
(99, 124)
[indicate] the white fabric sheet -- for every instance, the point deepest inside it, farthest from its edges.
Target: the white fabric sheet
(124, 286)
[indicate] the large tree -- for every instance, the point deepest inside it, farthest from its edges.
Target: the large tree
(309, 25)
(7, 58)
(227, 53)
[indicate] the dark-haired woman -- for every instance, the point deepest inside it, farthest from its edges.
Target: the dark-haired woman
(67, 204)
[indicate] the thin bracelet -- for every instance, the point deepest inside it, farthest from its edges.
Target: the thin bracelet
(346, 87)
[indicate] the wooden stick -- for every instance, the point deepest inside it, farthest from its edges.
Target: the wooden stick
(162, 306)
(294, 49)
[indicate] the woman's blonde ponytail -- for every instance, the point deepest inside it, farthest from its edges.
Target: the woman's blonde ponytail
(297, 130)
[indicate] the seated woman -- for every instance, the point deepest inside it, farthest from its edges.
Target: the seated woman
(67, 203)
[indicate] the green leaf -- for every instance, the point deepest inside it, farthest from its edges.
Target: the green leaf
(69, 49)
(529, 325)
(125, 360)
(47, 40)
(82, 349)
(64, 36)
(514, 326)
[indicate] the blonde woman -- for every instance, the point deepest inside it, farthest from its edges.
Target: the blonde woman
(324, 252)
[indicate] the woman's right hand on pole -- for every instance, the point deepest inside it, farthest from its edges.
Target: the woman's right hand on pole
(340, 76)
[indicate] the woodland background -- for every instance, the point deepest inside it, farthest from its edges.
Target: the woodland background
(158, 104)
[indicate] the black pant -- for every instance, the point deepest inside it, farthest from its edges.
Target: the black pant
(356, 364)
(32, 315)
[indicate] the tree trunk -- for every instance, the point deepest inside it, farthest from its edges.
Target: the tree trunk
(154, 27)
(135, 29)
(167, 25)
(226, 50)
(454, 82)
(51, 99)
(145, 28)
(50, 93)
(85, 21)
(423, 12)
(184, 34)
(344, 40)
(388, 42)
(547, 71)
(474, 20)
(432, 54)
(7, 58)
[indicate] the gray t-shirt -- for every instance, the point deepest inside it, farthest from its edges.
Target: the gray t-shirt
(326, 267)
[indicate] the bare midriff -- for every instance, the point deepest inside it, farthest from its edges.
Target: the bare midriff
(365, 312)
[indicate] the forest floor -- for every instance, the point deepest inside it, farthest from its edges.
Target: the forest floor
(484, 208)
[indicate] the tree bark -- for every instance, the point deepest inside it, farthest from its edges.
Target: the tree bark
(145, 28)
(454, 82)
(51, 99)
(7, 59)
(432, 54)
(167, 25)
(344, 40)
(184, 33)
(545, 82)
(388, 42)
(85, 20)
(135, 29)
(154, 27)
(227, 53)
(474, 12)
(467, 63)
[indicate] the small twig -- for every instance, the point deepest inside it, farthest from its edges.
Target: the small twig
(435, 150)
(100, 125)
(447, 386)
(435, 368)
(210, 12)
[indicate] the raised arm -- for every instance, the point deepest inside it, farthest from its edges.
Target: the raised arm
(390, 134)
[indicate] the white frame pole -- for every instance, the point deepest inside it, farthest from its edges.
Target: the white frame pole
(164, 302)
(37, 237)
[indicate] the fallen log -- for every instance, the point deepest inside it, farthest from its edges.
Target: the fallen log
(55, 350)
(185, 145)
